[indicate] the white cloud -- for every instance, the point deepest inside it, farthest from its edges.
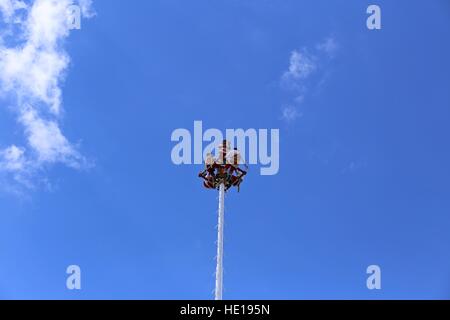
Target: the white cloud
(301, 66)
(31, 73)
(47, 141)
(13, 159)
(290, 113)
(86, 8)
(355, 166)
(8, 8)
(14, 163)
(304, 65)
(329, 46)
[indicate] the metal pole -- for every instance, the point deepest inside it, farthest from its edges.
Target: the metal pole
(219, 269)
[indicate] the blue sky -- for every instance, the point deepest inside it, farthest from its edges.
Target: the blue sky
(364, 162)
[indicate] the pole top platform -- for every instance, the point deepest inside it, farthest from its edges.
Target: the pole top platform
(224, 169)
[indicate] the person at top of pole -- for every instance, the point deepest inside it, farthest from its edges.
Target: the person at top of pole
(223, 151)
(221, 162)
(208, 174)
(235, 173)
(224, 169)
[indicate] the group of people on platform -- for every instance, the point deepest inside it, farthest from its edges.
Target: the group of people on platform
(224, 169)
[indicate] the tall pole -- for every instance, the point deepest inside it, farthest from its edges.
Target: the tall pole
(219, 269)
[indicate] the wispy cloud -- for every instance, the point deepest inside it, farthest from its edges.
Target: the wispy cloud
(301, 66)
(8, 8)
(329, 46)
(12, 159)
(304, 64)
(354, 166)
(32, 68)
(290, 113)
